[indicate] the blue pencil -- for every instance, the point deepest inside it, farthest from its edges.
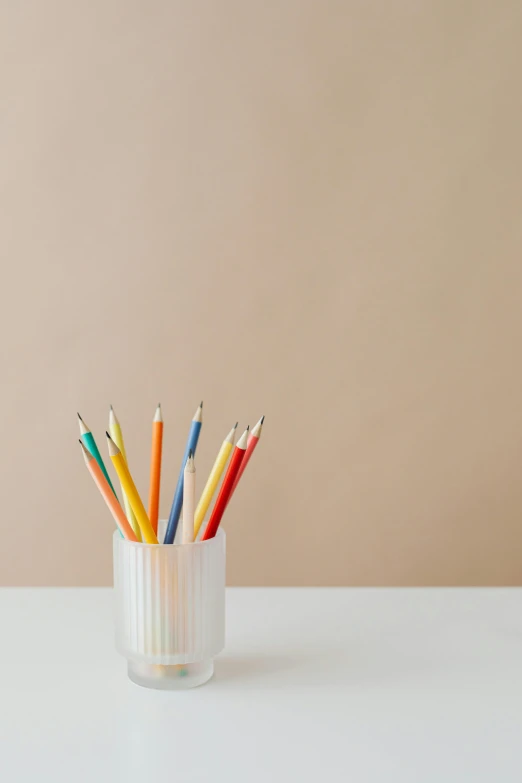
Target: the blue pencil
(192, 442)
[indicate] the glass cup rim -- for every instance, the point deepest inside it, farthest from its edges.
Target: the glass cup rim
(220, 536)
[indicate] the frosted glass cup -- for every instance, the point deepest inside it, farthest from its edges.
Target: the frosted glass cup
(170, 610)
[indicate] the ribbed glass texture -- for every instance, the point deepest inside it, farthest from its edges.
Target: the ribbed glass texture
(170, 600)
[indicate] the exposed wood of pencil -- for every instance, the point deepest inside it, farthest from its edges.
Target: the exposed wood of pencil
(84, 429)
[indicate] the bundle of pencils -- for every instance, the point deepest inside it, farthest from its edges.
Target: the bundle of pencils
(132, 519)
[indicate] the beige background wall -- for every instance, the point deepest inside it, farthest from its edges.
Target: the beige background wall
(301, 208)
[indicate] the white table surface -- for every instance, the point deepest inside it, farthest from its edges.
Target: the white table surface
(351, 685)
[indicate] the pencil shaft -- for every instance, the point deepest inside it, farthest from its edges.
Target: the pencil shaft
(189, 503)
(155, 473)
(90, 444)
(117, 436)
(252, 443)
(132, 493)
(211, 485)
(111, 500)
(172, 525)
(224, 493)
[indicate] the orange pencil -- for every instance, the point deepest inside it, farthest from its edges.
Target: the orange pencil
(108, 495)
(155, 468)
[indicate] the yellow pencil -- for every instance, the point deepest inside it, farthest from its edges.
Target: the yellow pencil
(213, 479)
(117, 436)
(130, 490)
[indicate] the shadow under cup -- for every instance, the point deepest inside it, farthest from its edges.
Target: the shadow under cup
(170, 610)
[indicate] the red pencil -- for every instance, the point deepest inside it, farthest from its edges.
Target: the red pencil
(226, 487)
(253, 440)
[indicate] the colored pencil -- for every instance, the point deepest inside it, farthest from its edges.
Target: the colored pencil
(108, 495)
(155, 468)
(117, 436)
(192, 442)
(89, 442)
(148, 535)
(253, 440)
(213, 479)
(189, 500)
(226, 487)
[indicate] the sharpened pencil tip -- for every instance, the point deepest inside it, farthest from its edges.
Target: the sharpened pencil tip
(235, 425)
(86, 453)
(201, 404)
(114, 450)
(248, 427)
(243, 440)
(79, 416)
(84, 429)
(262, 419)
(190, 454)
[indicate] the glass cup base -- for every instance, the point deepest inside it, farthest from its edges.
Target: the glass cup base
(179, 677)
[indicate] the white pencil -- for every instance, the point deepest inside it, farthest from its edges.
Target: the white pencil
(189, 500)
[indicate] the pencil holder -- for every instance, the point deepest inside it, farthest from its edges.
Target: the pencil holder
(170, 610)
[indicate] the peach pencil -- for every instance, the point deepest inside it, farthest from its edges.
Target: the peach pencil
(108, 495)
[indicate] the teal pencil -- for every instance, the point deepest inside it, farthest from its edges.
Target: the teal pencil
(90, 444)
